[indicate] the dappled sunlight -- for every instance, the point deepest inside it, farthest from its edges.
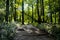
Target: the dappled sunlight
(29, 19)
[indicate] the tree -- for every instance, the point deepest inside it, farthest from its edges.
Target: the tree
(7, 10)
(15, 12)
(32, 13)
(12, 8)
(22, 11)
(42, 8)
(39, 16)
(59, 11)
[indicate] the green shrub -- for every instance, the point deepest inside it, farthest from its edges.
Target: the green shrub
(53, 29)
(56, 32)
(7, 31)
(45, 27)
(41, 26)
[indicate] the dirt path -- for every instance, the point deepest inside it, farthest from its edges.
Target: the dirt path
(23, 35)
(26, 35)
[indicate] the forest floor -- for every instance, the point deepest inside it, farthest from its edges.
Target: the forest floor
(25, 35)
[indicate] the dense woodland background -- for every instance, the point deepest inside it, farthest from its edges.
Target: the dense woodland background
(30, 11)
(44, 14)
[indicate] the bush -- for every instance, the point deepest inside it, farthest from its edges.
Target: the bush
(45, 27)
(41, 26)
(56, 32)
(53, 29)
(7, 31)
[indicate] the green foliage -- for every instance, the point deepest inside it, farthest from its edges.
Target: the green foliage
(50, 7)
(2, 15)
(45, 26)
(7, 31)
(51, 29)
(41, 26)
(56, 31)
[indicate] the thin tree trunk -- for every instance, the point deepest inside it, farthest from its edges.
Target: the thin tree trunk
(22, 11)
(7, 10)
(15, 12)
(59, 11)
(11, 9)
(20, 18)
(59, 18)
(32, 13)
(42, 2)
(39, 16)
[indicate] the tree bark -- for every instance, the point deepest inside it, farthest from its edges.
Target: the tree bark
(39, 16)
(15, 12)
(7, 10)
(32, 13)
(22, 11)
(59, 11)
(42, 2)
(11, 9)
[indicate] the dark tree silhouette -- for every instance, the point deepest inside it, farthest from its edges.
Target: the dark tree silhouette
(11, 10)
(39, 16)
(32, 13)
(22, 11)
(42, 4)
(59, 11)
(7, 10)
(15, 12)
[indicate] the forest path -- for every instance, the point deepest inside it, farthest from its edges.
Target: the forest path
(25, 35)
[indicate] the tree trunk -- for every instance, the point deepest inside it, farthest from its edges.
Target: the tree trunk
(39, 16)
(15, 12)
(42, 2)
(32, 13)
(59, 11)
(7, 10)
(22, 11)
(11, 9)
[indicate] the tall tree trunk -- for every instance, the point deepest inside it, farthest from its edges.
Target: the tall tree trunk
(59, 18)
(59, 11)
(39, 16)
(11, 9)
(32, 13)
(15, 12)
(7, 10)
(42, 2)
(22, 11)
